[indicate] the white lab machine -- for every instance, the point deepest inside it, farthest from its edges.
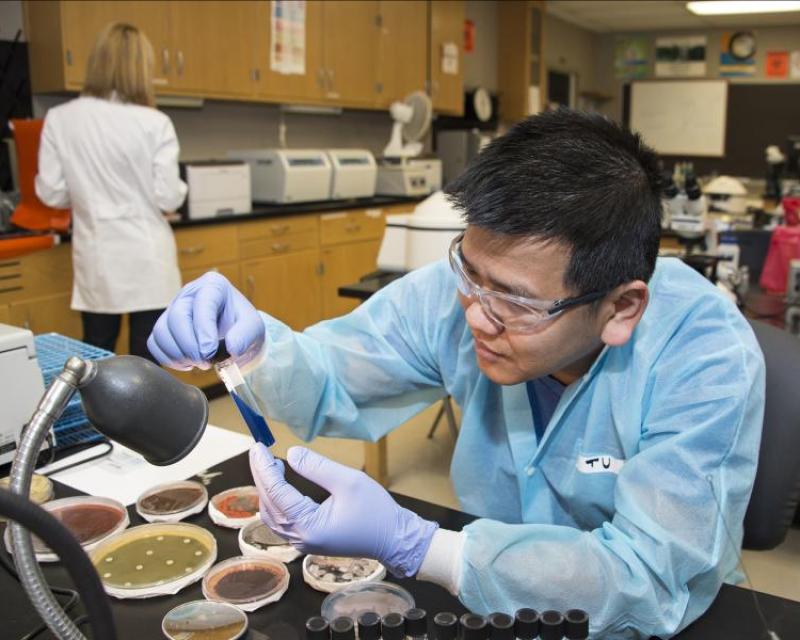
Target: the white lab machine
(353, 173)
(287, 175)
(414, 240)
(403, 177)
(21, 386)
(216, 188)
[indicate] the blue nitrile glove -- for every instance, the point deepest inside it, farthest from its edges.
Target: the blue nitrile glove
(204, 312)
(359, 519)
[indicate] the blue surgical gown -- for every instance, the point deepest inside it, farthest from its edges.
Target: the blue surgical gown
(622, 509)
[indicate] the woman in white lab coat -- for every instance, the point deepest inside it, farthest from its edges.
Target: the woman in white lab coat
(113, 158)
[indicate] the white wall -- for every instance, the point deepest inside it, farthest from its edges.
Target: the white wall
(480, 66)
(571, 49)
(10, 19)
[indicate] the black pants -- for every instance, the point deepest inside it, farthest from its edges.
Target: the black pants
(102, 330)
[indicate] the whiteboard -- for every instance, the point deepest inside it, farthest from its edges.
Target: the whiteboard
(681, 117)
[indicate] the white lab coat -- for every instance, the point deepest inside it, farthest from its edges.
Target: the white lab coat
(116, 165)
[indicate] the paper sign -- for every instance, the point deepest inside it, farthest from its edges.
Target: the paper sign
(794, 65)
(777, 64)
(287, 51)
(681, 56)
(534, 100)
(450, 58)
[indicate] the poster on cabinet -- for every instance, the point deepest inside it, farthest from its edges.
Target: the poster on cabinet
(287, 50)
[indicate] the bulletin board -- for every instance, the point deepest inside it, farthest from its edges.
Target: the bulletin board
(681, 117)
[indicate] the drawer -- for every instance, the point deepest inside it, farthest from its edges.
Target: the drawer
(12, 283)
(207, 246)
(260, 247)
(230, 271)
(349, 226)
(278, 227)
(48, 272)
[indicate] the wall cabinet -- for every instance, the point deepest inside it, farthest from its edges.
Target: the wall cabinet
(402, 57)
(447, 56)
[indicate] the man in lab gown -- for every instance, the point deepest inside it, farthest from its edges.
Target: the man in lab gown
(611, 403)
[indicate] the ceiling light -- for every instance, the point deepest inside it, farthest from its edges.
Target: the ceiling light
(733, 7)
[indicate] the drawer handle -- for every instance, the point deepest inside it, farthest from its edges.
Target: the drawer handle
(281, 247)
(352, 228)
(250, 281)
(192, 251)
(279, 230)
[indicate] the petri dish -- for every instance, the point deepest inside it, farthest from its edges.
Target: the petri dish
(91, 520)
(330, 573)
(234, 508)
(154, 559)
(380, 597)
(204, 620)
(41, 489)
(259, 541)
(172, 502)
(247, 583)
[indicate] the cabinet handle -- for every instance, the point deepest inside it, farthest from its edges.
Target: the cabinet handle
(192, 251)
(69, 58)
(352, 228)
(179, 62)
(250, 282)
(165, 61)
(331, 78)
(279, 230)
(321, 78)
(255, 75)
(280, 247)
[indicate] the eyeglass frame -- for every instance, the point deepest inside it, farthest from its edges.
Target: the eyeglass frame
(551, 308)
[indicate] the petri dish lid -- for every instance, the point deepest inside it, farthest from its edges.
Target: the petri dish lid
(154, 559)
(41, 488)
(204, 620)
(258, 540)
(172, 501)
(235, 507)
(331, 573)
(380, 597)
(90, 519)
(248, 583)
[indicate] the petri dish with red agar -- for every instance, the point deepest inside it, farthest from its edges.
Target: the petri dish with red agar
(245, 582)
(234, 508)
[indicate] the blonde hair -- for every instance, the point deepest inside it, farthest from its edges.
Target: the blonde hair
(121, 62)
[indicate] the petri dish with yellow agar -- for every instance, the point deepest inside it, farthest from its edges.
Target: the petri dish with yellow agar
(90, 519)
(41, 489)
(154, 559)
(247, 583)
(259, 541)
(204, 620)
(330, 573)
(172, 502)
(234, 508)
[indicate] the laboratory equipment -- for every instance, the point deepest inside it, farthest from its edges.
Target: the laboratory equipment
(382, 598)
(317, 628)
(393, 626)
(412, 118)
(369, 626)
(329, 573)
(526, 624)
(401, 177)
(353, 173)
(775, 164)
(21, 386)
(287, 175)
(204, 620)
(258, 540)
(234, 508)
(246, 583)
(172, 501)
(445, 626)
(342, 628)
(501, 626)
(473, 627)
(552, 625)
(416, 624)
(414, 240)
(576, 624)
(457, 148)
(726, 195)
(216, 188)
(154, 560)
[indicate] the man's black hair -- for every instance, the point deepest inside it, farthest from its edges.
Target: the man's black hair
(575, 178)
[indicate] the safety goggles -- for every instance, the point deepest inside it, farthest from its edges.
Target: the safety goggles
(514, 313)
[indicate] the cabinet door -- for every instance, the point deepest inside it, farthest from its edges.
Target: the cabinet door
(213, 47)
(286, 287)
(349, 51)
(51, 313)
(447, 31)
(5, 314)
(341, 265)
(281, 87)
(402, 50)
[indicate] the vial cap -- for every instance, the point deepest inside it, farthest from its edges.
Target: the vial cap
(552, 625)
(576, 624)
(526, 624)
(416, 622)
(394, 627)
(473, 627)
(445, 626)
(501, 626)
(342, 628)
(317, 628)
(369, 626)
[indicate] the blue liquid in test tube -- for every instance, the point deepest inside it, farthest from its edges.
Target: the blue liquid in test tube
(228, 371)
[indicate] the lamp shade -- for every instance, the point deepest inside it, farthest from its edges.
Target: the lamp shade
(136, 403)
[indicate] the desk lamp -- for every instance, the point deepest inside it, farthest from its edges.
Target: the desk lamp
(130, 400)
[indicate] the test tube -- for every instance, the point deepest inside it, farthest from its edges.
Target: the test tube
(416, 624)
(501, 626)
(552, 625)
(473, 627)
(369, 626)
(244, 399)
(342, 628)
(576, 624)
(526, 624)
(317, 628)
(445, 626)
(393, 626)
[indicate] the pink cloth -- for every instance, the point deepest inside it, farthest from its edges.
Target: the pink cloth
(784, 246)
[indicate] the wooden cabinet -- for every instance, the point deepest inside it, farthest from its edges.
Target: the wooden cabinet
(341, 265)
(207, 246)
(446, 44)
(5, 314)
(520, 59)
(49, 313)
(402, 57)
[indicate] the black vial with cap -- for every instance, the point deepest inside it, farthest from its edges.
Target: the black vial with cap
(445, 626)
(473, 627)
(317, 628)
(501, 626)
(552, 625)
(576, 624)
(369, 626)
(416, 623)
(342, 628)
(393, 626)
(526, 624)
